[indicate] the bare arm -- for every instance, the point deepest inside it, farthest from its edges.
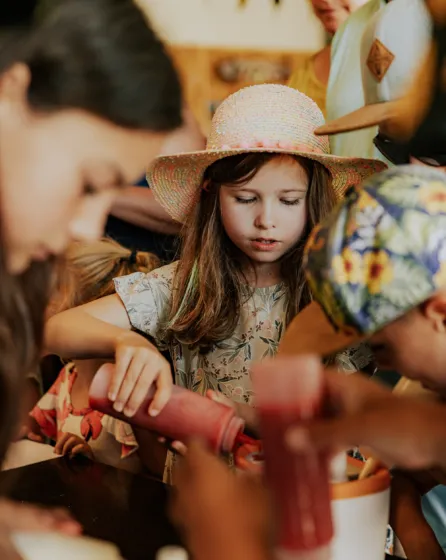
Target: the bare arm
(88, 331)
(139, 207)
(101, 329)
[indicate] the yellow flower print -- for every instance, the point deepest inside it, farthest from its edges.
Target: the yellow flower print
(379, 270)
(440, 276)
(347, 267)
(315, 242)
(433, 197)
(365, 201)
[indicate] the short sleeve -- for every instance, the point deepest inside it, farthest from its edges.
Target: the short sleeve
(147, 298)
(123, 434)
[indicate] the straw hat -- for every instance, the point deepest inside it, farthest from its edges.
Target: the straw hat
(263, 118)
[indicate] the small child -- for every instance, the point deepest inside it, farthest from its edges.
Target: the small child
(63, 413)
(377, 267)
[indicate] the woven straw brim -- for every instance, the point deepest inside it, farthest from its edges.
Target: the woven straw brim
(176, 180)
(365, 117)
(310, 332)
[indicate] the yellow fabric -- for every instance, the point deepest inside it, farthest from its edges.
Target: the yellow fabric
(305, 80)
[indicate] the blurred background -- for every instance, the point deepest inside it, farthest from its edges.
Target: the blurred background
(222, 45)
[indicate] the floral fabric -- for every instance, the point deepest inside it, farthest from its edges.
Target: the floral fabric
(382, 251)
(111, 440)
(226, 367)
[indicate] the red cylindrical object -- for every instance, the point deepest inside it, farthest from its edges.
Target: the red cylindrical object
(186, 415)
(288, 394)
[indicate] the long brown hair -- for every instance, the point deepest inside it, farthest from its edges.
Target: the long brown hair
(208, 293)
(86, 272)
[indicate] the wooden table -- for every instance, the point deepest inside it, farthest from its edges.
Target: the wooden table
(111, 504)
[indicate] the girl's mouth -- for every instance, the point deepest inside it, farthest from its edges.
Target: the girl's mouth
(263, 244)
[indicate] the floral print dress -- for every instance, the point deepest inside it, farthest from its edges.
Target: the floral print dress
(111, 440)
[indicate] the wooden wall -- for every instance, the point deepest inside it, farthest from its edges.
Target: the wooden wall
(201, 69)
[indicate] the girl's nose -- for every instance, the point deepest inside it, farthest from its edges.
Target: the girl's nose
(265, 219)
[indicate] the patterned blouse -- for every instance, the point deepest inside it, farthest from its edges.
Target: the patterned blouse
(226, 367)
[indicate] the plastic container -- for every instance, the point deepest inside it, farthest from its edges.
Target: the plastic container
(172, 553)
(360, 508)
(299, 483)
(42, 546)
(186, 415)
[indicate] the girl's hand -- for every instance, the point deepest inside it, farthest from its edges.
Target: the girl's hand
(17, 517)
(139, 365)
(70, 444)
(211, 502)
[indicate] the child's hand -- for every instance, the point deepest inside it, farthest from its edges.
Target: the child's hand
(138, 366)
(404, 432)
(211, 503)
(70, 444)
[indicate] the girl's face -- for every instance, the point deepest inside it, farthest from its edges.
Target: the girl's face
(265, 217)
(332, 13)
(59, 173)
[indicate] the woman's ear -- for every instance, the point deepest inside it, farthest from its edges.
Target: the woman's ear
(434, 309)
(14, 83)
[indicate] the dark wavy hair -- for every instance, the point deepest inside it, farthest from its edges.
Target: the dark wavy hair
(100, 56)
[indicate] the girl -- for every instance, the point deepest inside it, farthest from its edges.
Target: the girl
(63, 413)
(248, 203)
(86, 98)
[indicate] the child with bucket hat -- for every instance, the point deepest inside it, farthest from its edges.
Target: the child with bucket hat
(248, 203)
(376, 267)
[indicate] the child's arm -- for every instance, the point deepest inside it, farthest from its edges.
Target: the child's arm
(408, 522)
(101, 329)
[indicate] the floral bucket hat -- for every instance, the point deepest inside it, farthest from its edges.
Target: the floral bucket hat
(262, 118)
(379, 254)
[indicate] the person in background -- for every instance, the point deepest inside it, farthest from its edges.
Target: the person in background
(247, 205)
(312, 77)
(344, 92)
(394, 44)
(92, 89)
(137, 220)
(63, 414)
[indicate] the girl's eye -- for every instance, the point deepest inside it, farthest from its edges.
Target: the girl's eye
(293, 202)
(245, 200)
